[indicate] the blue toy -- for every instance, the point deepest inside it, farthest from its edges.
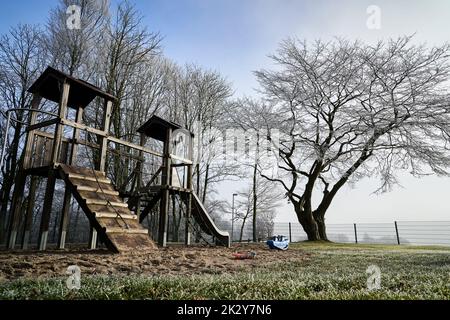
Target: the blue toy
(278, 242)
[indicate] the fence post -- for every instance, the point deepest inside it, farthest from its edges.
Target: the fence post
(396, 232)
(290, 232)
(356, 234)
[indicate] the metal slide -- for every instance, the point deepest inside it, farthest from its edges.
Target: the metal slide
(202, 217)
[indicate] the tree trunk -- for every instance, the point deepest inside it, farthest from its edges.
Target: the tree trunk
(319, 217)
(322, 230)
(242, 230)
(313, 227)
(205, 185)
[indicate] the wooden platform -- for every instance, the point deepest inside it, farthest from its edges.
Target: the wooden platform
(115, 224)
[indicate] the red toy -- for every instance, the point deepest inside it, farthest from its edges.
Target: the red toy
(244, 255)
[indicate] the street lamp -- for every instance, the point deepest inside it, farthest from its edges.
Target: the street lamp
(232, 217)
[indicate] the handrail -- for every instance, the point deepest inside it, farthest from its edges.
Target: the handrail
(105, 134)
(134, 146)
(183, 160)
(76, 125)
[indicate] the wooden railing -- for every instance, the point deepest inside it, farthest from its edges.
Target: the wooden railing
(42, 146)
(40, 152)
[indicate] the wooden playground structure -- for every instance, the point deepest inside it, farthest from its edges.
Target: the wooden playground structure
(114, 215)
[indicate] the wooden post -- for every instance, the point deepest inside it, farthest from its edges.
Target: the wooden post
(93, 238)
(104, 140)
(30, 135)
(50, 189)
(59, 127)
(16, 203)
(396, 232)
(356, 234)
(46, 210)
(165, 178)
(187, 235)
(16, 209)
(139, 167)
(29, 213)
(189, 185)
(290, 232)
(65, 218)
(102, 161)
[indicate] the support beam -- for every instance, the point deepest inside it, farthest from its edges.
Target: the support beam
(43, 124)
(163, 218)
(187, 235)
(46, 210)
(139, 168)
(29, 213)
(93, 239)
(104, 140)
(28, 151)
(189, 185)
(55, 155)
(16, 209)
(65, 218)
(59, 127)
(165, 181)
(19, 185)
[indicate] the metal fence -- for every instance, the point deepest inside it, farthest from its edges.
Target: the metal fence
(397, 232)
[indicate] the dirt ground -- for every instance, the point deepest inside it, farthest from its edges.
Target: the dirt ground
(163, 261)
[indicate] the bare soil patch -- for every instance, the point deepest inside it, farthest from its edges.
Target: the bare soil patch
(176, 260)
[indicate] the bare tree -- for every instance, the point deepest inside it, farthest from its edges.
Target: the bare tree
(350, 110)
(197, 100)
(75, 50)
(255, 119)
(128, 55)
(21, 61)
(119, 54)
(265, 202)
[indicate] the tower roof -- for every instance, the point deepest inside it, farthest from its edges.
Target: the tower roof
(156, 128)
(48, 86)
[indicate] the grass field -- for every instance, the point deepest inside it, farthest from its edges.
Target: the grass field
(332, 271)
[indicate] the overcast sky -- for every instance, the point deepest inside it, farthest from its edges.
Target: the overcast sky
(235, 37)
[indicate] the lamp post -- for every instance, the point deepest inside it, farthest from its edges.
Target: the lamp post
(232, 217)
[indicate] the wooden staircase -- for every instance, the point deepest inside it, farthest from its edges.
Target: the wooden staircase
(116, 225)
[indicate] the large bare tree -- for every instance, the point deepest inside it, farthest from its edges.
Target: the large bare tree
(349, 110)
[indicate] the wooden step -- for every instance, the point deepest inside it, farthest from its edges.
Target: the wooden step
(100, 196)
(119, 223)
(98, 179)
(131, 242)
(92, 184)
(115, 215)
(97, 189)
(104, 203)
(126, 231)
(81, 171)
(108, 209)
